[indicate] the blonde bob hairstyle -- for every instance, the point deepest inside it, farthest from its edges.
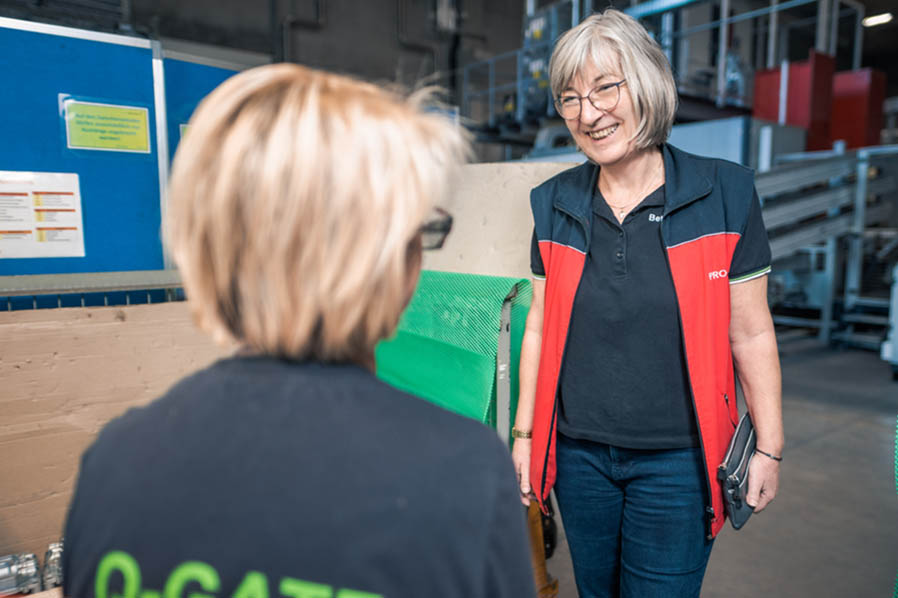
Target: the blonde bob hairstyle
(294, 208)
(616, 43)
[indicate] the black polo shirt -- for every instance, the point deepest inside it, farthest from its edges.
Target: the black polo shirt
(624, 380)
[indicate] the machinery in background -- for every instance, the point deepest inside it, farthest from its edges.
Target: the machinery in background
(890, 117)
(750, 141)
(542, 28)
(19, 574)
(51, 574)
(831, 105)
(889, 349)
(506, 99)
(832, 218)
(22, 574)
(726, 63)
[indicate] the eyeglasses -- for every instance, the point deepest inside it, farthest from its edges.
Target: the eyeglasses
(435, 229)
(604, 98)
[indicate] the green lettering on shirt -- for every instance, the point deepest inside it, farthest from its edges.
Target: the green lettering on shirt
(254, 585)
(345, 593)
(296, 588)
(126, 565)
(190, 571)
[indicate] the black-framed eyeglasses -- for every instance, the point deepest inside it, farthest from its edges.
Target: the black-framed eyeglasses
(605, 97)
(435, 229)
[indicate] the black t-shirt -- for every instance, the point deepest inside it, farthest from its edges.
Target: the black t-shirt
(624, 380)
(260, 477)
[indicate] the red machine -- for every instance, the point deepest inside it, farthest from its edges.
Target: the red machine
(809, 97)
(829, 105)
(858, 98)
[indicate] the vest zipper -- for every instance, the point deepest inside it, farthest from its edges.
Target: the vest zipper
(726, 399)
(709, 510)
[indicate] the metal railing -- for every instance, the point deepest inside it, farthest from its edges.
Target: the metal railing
(526, 80)
(777, 37)
(495, 91)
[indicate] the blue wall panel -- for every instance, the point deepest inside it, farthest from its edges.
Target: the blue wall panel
(186, 84)
(119, 190)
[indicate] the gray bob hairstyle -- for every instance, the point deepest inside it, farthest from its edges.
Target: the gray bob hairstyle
(616, 43)
(295, 203)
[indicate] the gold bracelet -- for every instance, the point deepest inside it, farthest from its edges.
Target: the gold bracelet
(515, 433)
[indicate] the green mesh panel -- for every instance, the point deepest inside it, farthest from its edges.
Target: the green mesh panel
(445, 348)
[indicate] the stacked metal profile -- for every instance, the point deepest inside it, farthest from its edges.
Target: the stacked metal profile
(824, 212)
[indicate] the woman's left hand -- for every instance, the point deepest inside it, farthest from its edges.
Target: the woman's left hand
(763, 481)
(753, 342)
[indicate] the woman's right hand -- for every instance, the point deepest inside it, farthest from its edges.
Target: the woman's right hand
(520, 455)
(527, 374)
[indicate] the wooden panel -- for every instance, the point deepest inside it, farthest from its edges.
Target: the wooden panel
(65, 373)
(493, 224)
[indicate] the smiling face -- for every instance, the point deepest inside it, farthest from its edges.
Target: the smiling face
(606, 137)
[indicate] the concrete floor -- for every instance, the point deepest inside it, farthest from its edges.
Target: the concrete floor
(833, 529)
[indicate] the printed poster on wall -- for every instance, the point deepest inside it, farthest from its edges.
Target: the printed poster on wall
(40, 215)
(106, 127)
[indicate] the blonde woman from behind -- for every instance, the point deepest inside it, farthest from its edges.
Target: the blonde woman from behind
(295, 215)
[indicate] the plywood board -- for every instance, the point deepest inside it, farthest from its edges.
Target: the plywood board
(493, 224)
(65, 373)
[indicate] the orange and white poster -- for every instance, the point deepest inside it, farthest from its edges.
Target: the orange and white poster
(40, 215)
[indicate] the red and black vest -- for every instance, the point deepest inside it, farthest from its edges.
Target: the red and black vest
(706, 209)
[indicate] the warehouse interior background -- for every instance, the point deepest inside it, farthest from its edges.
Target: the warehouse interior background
(803, 91)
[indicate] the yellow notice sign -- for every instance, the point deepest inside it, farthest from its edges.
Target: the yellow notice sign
(108, 127)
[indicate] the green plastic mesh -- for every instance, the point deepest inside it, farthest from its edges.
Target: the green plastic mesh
(446, 344)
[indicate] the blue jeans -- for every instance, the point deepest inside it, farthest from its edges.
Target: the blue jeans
(634, 519)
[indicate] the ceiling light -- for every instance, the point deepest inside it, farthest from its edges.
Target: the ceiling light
(875, 20)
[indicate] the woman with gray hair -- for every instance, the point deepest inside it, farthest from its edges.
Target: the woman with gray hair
(298, 208)
(649, 272)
